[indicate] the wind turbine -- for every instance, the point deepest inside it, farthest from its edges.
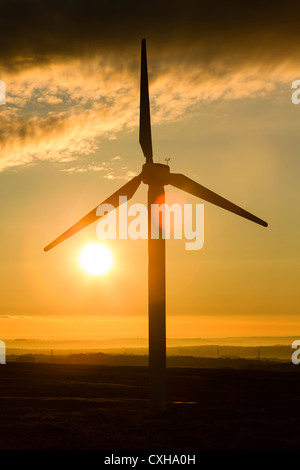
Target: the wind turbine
(156, 176)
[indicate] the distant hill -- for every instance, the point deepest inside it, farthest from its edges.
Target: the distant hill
(101, 359)
(140, 345)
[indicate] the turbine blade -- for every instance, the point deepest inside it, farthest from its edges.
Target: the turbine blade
(127, 190)
(190, 186)
(145, 123)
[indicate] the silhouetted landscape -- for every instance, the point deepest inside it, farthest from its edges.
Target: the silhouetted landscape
(100, 400)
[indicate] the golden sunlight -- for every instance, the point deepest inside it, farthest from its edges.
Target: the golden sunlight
(96, 259)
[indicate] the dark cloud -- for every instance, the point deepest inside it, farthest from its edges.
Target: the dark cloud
(71, 67)
(39, 31)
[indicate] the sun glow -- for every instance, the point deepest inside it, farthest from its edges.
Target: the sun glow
(96, 259)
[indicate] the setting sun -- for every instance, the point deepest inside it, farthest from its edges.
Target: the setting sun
(96, 259)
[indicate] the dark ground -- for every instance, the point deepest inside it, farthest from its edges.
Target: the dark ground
(56, 406)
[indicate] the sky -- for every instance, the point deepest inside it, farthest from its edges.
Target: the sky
(220, 80)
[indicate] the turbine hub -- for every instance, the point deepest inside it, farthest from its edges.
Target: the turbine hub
(155, 174)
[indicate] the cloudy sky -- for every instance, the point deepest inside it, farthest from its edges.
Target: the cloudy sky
(220, 79)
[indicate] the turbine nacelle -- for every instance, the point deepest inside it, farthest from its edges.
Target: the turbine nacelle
(156, 174)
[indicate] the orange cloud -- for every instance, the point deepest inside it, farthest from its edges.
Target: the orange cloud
(59, 111)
